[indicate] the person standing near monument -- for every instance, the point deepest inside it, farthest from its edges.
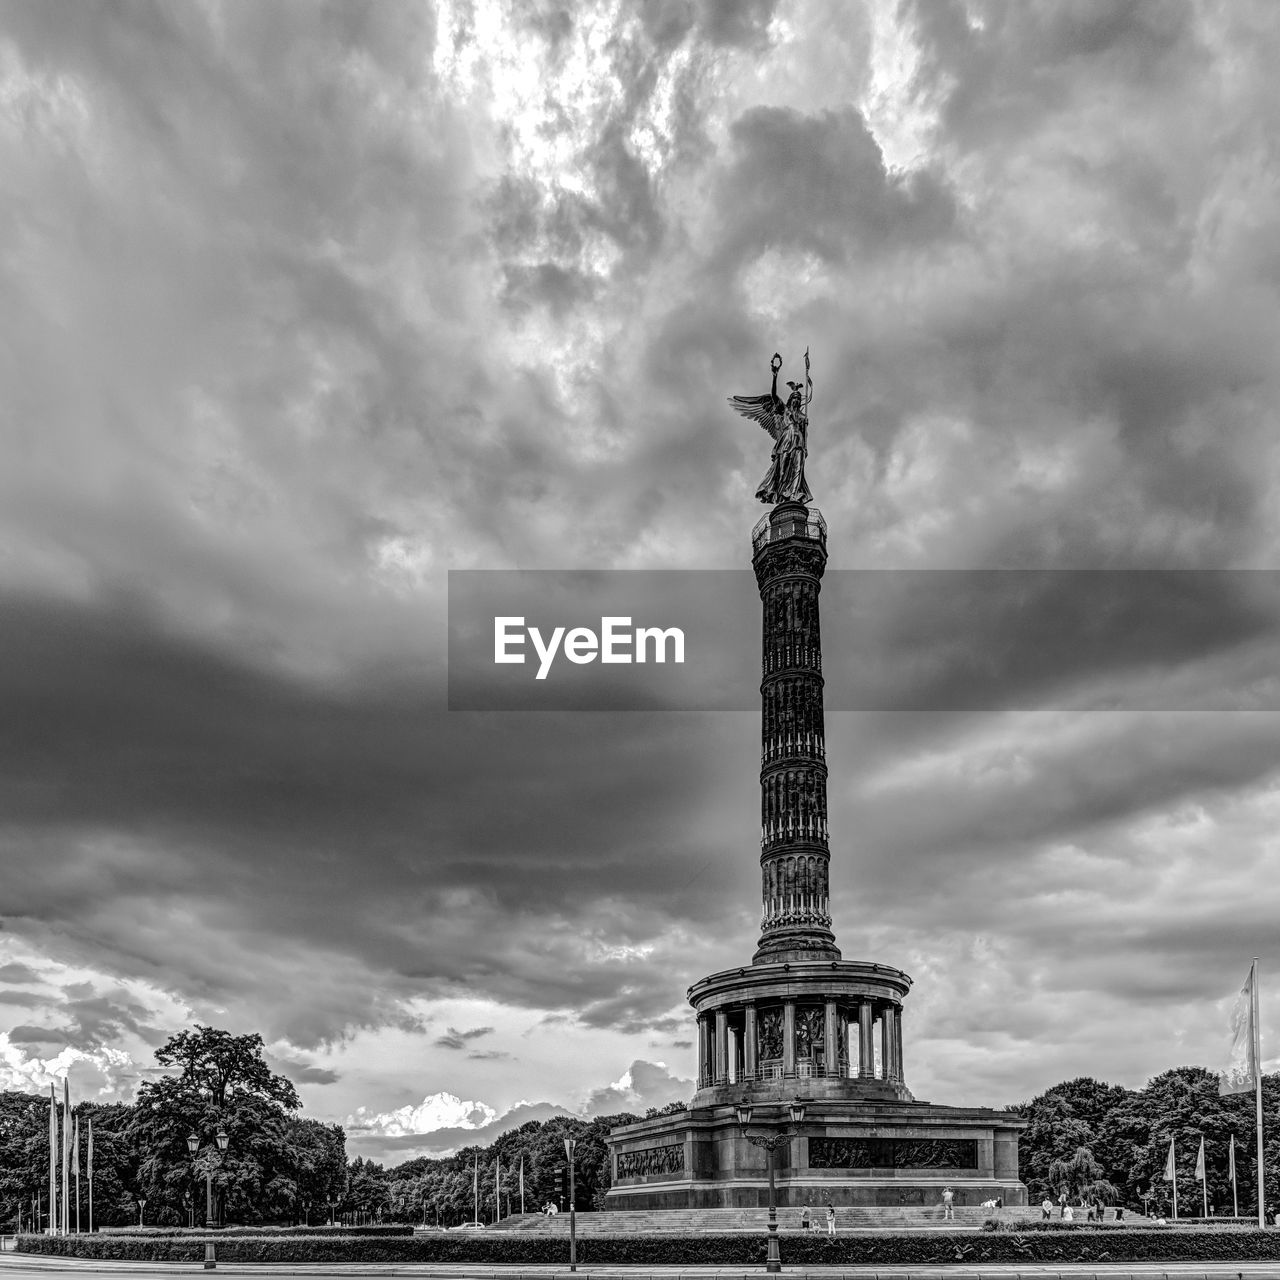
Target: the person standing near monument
(831, 1218)
(948, 1201)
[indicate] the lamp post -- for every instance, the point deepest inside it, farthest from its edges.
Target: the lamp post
(193, 1146)
(570, 1146)
(770, 1142)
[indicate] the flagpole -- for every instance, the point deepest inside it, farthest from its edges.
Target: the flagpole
(53, 1156)
(76, 1161)
(1235, 1200)
(1204, 1181)
(1256, 1049)
(475, 1187)
(90, 1173)
(66, 1155)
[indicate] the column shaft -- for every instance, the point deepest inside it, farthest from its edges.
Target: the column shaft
(789, 1037)
(722, 1045)
(884, 1045)
(897, 1030)
(889, 1020)
(831, 1042)
(750, 1044)
(866, 1056)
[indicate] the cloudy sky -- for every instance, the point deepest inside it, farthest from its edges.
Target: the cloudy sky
(304, 305)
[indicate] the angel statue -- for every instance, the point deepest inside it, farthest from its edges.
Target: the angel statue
(788, 424)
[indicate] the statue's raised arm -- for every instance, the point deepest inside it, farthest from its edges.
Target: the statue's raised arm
(788, 424)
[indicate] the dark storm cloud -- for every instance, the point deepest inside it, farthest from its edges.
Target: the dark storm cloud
(819, 183)
(304, 1073)
(458, 1039)
(1025, 60)
(25, 999)
(165, 770)
(17, 973)
(37, 1036)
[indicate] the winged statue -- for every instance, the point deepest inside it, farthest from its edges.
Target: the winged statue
(788, 424)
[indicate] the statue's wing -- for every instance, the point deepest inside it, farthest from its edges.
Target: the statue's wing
(765, 409)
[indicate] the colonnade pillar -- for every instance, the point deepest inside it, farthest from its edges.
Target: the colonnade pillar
(866, 1053)
(789, 1037)
(722, 1045)
(750, 1042)
(831, 1041)
(897, 1026)
(889, 1056)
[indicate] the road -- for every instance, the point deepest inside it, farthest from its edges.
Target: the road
(22, 1267)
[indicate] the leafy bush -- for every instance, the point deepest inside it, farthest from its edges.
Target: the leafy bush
(922, 1248)
(219, 1232)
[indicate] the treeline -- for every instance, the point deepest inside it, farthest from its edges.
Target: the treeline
(1127, 1132)
(444, 1191)
(277, 1166)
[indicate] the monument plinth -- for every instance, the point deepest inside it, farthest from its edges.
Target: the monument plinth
(800, 1022)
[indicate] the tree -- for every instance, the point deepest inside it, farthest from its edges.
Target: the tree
(1081, 1178)
(217, 1064)
(223, 1083)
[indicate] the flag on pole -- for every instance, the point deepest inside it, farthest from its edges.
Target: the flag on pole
(88, 1155)
(75, 1149)
(1241, 1070)
(1169, 1167)
(1200, 1160)
(522, 1182)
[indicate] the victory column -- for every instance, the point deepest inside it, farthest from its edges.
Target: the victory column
(800, 1054)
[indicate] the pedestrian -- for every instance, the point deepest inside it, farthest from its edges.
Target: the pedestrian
(948, 1199)
(804, 1217)
(831, 1218)
(1067, 1215)
(1046, 1208)
(1119, 1213)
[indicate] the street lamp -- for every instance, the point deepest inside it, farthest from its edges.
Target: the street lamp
(193, 1146)
(770, 1142)
(570, 1146)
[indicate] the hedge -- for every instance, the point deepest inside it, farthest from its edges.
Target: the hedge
(321, 1229)
(927, 1248)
